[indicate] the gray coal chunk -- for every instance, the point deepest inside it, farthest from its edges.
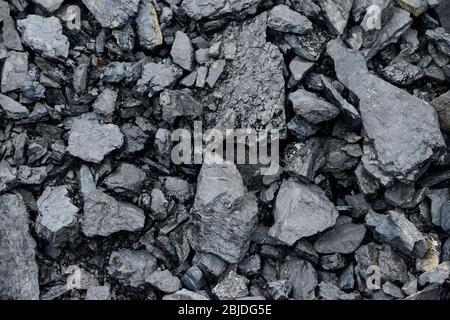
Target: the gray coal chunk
(10, 37)
(92, 141)
(115, 72)
(391, 289)
(305, 250)
(301, 129)
(98, 293)
(14, 71)
(336, 13)
(254, 87)
(397, 231)
(440, 207)
(312, 107)
(301, 210)
(164, 281)
(209, 263)
(112, 13)
(343, 238)
(178, 188)
(148, 28)
(333, 261)
(305, 7)
(57, 220)
(346, 279)
(250, 266)
(329, 291)
(438, 275)
(182, 51)
(279, 290)
(105, 104)
(31, 175)
(392, 267)
(215, 71)
(340, 155)
(158, 76)
(184, 294)
(441, 38)
(202, 56)
(202, 74)
(127, 179)
(13, 109)
(213, 9)
(131, 267)
(416, 7)
(44, 36)
(394, 28)
(303, 160)
(193, 279)
(159, 204)
(86, 180)
(309, 46)
(125, 37)
(177, 103)
(8, 176)
(49, 5)
(104, 215)
(302, 277)
(233, 286)
(299, 68)
(224, 214)
(445, 251)
(284, 19)
(442, 106)
(18, 268)
(403, 140)
(402, 73)
(443, 11)
(359, 205)
(135, 138)
(80, 77)
(348, 111)
(163, 147)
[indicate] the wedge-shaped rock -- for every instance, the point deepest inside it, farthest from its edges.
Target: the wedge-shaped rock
(312, 107)
(104, 215)
(112, 13)
(440, 208)
(282, 18)
(177, 103)
(158, 76)
(404, 138)
(131, 267)
(92, 141)
(301, 210)
(13, 109)
(44, 35)
(337, 13)
(148, 28)
(57, 216)
(14, 71)
(224, 214)
(397, 231)
(127, 179)
(302, 277)
(18, 268)
(213, 9)
(343, 238)
(254, 86)
(182, 52)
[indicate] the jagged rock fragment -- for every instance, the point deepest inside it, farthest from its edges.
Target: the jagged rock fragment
(112, 13)
(131, 267)
(343, 238)
(148, 28)
(282, 18)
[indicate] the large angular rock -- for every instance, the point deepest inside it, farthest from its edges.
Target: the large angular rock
(312, 107)
(282, 18)
(14, 71)
(302, 277)
(57, 216)
(8, 176)
(18, 268)
(10, 37)
(104, 215)
(158, 76)
(224, 214)
(397, 231)
(213, 9)
(92, 141)
(182, 51)
(404, 139)
(44, 35)
(148, 28)
(303, 160)
(337, 13)
(49, 5)
(177, 103)
(131, 267)
(254, 86)
(164, 281)
(127, 179)
(112, 13)
(343, 238)
(301, 210)
(13, 109)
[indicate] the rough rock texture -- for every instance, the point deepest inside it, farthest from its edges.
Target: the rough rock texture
(112, 13)
(212, 9)
(301, 210)
(18, 268)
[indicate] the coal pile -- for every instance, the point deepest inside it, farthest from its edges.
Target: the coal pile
(94, 207)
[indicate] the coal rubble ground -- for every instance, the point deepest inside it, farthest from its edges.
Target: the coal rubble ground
(91, 206)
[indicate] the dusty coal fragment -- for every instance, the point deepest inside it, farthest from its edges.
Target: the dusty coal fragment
(148, 28)
(301, 210)
(92, 141)
(18, 270)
